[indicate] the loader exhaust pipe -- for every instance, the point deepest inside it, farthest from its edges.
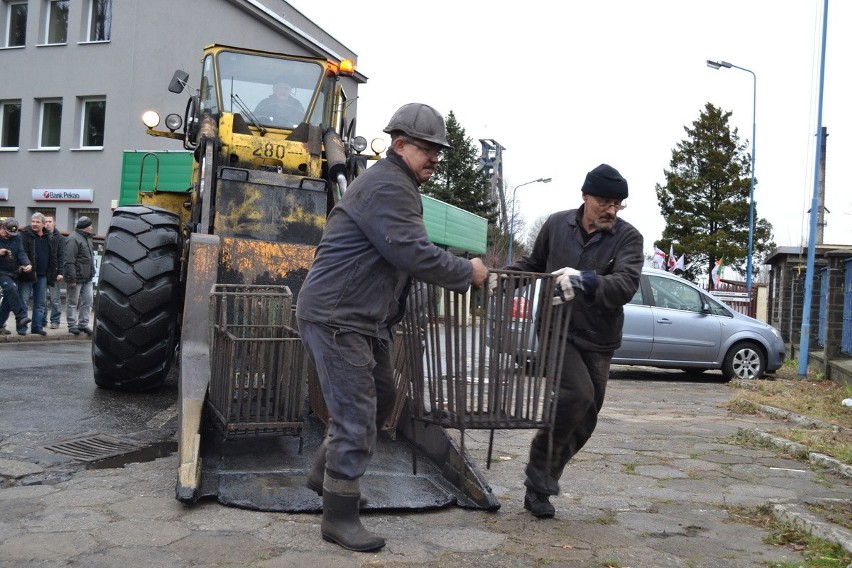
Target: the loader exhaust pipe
(336, 159)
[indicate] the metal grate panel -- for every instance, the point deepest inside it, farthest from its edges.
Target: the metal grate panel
(258, 363)
(493, 368)
(93, 448)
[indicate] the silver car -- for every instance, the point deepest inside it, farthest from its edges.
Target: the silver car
(672, 323)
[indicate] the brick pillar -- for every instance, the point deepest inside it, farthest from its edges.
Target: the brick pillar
(834, 308)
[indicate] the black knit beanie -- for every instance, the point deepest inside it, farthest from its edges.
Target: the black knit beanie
(605, 181)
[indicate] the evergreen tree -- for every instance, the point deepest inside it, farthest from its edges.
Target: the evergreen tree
(458, 179)
(705, 200)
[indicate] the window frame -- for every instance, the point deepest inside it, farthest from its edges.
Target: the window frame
(10, 6)
(91, 22)
(4, 127)
(49, 21)
(85, 117)
(43, 104)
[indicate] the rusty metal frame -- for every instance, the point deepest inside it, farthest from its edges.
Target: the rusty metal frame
(258, 365)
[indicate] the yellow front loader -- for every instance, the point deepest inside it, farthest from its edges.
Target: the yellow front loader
(207, 278)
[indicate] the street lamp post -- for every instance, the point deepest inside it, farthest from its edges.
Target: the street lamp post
(726, 65)
(512, 218)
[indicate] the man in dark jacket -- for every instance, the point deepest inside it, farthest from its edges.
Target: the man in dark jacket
(79, 271)
(373, 243)
(55, 278)
(13, 261)
(41, 249)
(598, 259)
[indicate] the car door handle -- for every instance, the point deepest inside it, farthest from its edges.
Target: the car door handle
(664, 321)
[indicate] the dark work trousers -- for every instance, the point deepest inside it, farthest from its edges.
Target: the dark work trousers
(581, 396)
(11, 299)
(356, 378)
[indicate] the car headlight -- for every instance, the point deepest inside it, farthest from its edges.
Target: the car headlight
(775, 332)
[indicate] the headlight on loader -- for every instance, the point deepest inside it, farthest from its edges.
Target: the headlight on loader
(173, 121)
(151, 118)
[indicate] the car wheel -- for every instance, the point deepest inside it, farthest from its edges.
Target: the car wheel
(745, 360)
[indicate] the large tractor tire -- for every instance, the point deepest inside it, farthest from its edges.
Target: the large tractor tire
(138, 299)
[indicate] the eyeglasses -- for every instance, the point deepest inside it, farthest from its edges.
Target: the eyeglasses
(610, 203)
(435, 151)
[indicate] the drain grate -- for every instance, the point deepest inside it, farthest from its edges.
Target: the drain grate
(93, 448)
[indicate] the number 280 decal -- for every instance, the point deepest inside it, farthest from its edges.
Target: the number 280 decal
(270, 150)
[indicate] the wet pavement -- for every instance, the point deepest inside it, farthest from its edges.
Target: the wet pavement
(654, 487)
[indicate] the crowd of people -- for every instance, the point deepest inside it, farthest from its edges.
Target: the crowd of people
(34, 261)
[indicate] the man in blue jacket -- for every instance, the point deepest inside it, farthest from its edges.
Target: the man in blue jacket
(374, 243)
(41, 249)
(13, 261)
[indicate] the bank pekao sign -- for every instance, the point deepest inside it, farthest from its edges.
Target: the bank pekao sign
(63, 195)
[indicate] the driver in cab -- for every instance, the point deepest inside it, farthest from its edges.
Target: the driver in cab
(280, 108)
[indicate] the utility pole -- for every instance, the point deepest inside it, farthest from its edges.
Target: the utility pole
(821, 190)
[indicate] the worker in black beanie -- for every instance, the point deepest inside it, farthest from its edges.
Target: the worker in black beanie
(597, 258)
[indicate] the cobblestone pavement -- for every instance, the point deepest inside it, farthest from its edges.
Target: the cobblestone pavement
(650, 490)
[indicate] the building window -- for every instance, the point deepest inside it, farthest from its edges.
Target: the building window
(47, 211)
(51, 124)
(16, 23)
(94, 112)
(6, 212)
(10, 124)
(100, 20)
(57, 21)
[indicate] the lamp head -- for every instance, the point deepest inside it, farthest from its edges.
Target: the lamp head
(718, 64)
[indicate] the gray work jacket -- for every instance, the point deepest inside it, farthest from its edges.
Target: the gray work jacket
(374, 240)
(79, 258)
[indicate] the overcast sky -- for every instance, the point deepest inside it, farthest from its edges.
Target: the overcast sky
(565, 86)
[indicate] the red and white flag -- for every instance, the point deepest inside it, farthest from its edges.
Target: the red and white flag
(659, 258)
(672, 259)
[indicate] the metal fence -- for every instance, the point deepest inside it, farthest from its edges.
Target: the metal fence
(736, 297)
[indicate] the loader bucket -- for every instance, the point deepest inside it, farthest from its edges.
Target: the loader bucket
(262, 430)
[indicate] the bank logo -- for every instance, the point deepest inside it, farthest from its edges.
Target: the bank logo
(63, 195)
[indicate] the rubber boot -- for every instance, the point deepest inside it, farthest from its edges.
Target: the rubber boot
(317, 474)
(341, 523)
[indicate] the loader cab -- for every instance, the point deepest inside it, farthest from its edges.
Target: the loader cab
(268, 91)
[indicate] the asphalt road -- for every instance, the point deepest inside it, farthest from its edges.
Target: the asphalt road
(653, 488)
